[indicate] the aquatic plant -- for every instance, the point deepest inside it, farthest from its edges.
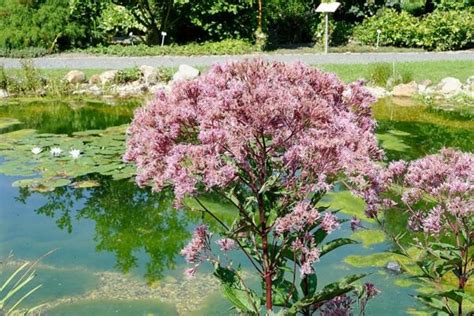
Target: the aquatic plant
(17, 282)
(272, 139)
(438, 195)
(41, 156)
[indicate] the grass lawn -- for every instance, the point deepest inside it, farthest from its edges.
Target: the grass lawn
(432, 70)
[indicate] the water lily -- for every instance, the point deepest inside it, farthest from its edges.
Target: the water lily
(75, 153)
(36, 150)
(56, 151)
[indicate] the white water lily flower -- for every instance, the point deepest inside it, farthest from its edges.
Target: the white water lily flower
(36, 150)
(75, 153)
(56, 151)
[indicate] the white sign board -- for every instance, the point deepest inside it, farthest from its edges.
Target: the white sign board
(328, 7)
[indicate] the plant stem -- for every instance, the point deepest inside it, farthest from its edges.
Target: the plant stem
(267, 273)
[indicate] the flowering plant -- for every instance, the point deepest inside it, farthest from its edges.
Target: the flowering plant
(438, 195)
(272, 139)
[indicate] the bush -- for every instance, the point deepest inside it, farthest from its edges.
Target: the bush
(339, 33)
(386, 75)
(447, 30)
(290, 21)
(440, 30)
(379, 74)
(27, 52)
(45, 25)
(398, 29)
(226, 47)
(127, 75)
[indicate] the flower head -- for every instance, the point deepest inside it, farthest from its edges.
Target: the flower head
(226, 244)
(36, 150)
(194, 250)
(329, 222)
(355, 223)
(75, 153)
(338, 306)
(56, 151)
(203, 132)
(370, 291)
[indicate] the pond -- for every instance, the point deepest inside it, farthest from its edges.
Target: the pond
(117, 246)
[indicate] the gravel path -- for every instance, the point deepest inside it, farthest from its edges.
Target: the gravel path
(76, 61)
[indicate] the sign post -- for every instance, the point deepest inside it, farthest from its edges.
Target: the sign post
(326, 8)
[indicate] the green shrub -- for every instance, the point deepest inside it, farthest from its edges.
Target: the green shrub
(27, 52)
(439, 30)
(127, 75)
(398, 29)
(406, 76)
(447, 30)
(380, 73)
(290, 21)
(37, 24)
(453, 4)
(387, 75)
(339, 33)
(226, 47)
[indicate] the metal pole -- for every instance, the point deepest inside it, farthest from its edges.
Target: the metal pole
(326, 36)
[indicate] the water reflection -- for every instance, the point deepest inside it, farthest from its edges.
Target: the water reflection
(128, 221)
(428, 130)
(67, 117)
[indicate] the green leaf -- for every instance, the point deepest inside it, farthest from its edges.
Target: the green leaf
(327, 293)
(369, 237)
(434, 303)
(312, 283)
(334, 244)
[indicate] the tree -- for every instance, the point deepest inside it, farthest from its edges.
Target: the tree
(155, 15)
(271, 139)
(220, 19)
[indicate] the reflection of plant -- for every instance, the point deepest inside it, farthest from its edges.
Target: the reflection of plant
(438, 196)
(270, 138)
(127, 220)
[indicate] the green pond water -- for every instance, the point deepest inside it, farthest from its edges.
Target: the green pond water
(118, 245)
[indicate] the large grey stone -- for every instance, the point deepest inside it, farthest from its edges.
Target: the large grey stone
(394, 266)
(449, 86)
(149, 74)
(378, 92)
(470, 80)
(4, 94)
(405, 90)
(108, 77)
(185, 72)
(75, 76)
(158, 87)
(95, 79)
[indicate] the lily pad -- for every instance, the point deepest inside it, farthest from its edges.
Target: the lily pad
(101, 153)
(392, 142)
(375, 260)
(347, 203)
(369, 237)
(85, 184)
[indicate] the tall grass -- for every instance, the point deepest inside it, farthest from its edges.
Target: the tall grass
(16, 288)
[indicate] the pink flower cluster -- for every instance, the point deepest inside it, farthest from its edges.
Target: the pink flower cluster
(194, 251)
(310, 125)
(330, 222)
(302, 216)
(445, 183)
(226, 244)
